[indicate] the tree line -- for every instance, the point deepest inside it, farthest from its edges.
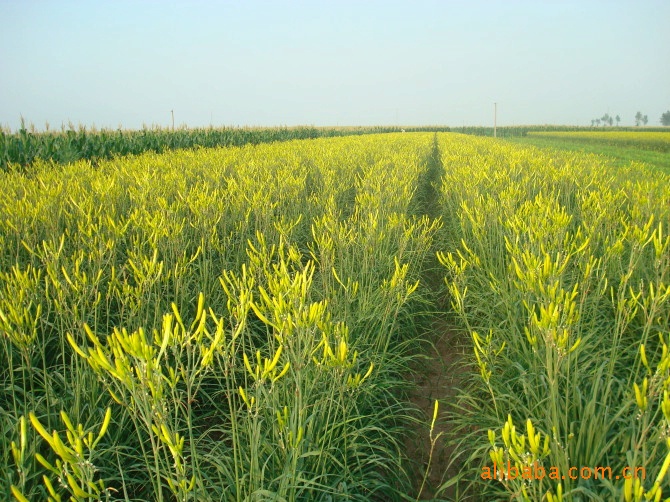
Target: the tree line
(640, 119)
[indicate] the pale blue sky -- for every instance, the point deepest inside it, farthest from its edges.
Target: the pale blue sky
(337, 62)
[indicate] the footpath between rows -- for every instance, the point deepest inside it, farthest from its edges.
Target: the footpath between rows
(440, 369)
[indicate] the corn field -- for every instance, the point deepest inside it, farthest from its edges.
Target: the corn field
(22, 148)
(237, 323)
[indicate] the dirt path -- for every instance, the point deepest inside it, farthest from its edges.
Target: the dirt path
(436, 378)
(439, 373)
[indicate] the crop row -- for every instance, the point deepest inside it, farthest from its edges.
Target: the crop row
(559, 270)
(222, 324)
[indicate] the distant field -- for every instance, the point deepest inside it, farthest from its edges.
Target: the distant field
(622, 147)
(659, 141)
(27, 145)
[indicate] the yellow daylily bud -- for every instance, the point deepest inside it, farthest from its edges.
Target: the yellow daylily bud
(665, 405)
(18, 495)
(283, 372)
(664, 469)
(532, 440)
(274, 361)
(342, 352)
(628, 489)
(643, 357)
(641, 395)
(435, 412)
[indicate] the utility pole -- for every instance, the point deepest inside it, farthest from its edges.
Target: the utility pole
(172, 112)
(495, 120)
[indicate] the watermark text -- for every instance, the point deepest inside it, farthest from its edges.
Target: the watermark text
(538, 472)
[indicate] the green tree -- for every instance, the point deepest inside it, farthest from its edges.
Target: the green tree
(645, 119)
(638, 118)
(618, 119)
(665, 118)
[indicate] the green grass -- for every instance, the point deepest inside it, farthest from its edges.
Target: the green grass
(620, 155)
